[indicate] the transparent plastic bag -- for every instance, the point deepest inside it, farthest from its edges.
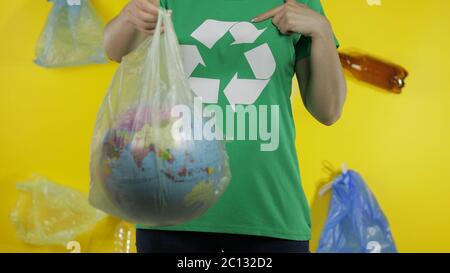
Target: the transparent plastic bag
(50, 214)
(139, 171)
(73, 35)
(355, 222)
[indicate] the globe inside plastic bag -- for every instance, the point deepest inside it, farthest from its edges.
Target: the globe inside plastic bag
(140, 170)
(355, 222)
(50, 214)
(73, 35)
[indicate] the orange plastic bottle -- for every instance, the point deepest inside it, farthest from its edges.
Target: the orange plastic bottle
(388, 76)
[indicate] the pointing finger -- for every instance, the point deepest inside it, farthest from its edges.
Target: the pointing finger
(268, 14)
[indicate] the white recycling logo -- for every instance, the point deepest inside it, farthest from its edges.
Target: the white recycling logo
(237, 91)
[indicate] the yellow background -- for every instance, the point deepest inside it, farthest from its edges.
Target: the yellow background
(398, 143)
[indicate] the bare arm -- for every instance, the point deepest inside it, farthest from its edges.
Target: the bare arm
(127, 30)
(321, 80)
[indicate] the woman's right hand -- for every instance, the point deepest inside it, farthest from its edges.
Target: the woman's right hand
(142, 15)
(131, 27)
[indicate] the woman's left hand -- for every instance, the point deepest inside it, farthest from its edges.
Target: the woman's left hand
(295, 17)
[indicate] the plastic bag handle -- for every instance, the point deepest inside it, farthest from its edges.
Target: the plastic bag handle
(325, 188)
(169, 31)
(172, 47)
(172, 40)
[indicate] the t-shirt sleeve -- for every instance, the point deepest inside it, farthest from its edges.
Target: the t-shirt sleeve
(303, 46)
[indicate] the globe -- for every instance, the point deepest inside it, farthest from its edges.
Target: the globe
(153, 179)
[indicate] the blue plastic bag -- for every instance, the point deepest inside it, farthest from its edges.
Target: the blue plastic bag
(73, 35)
(355, 222)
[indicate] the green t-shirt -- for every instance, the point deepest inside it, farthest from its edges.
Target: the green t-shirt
(231, 61)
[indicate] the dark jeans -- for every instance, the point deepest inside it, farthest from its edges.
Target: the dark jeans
(162, 241)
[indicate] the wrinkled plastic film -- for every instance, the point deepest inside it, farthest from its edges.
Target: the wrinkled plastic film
(50, 214)
(139, 172)
(355, 222)
(72, 36)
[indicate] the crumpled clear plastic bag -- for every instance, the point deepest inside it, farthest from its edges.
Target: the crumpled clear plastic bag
(50, 214)
(355, 222)
(140, 171)
(73, 35)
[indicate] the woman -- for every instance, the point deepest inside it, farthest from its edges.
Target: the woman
(246, 52)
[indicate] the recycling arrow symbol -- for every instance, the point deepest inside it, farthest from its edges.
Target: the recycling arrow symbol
(237, 91)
